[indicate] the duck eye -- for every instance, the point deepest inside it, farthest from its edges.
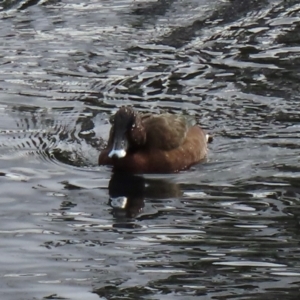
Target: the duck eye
(112, 119)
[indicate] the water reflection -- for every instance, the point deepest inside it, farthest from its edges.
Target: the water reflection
(66, 65)
(128, 193)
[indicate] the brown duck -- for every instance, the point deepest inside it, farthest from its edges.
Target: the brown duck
(148, 143)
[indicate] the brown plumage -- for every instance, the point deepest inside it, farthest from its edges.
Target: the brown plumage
(146, 143)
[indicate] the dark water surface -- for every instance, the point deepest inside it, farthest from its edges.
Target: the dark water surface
(226, 229)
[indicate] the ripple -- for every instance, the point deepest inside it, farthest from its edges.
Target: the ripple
(249, 264)
(222, 227)
(285, 274)
(27, 275)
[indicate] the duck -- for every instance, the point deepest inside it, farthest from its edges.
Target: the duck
(153, 143)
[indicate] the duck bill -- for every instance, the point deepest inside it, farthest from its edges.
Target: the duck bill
(119, 148)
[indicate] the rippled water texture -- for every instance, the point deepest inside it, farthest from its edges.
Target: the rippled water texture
(225, 229)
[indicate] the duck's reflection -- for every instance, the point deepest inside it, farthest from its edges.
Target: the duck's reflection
(127, 193)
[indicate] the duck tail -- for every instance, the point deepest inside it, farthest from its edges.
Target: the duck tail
(209, 138)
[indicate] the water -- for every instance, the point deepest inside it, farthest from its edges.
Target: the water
(226, 229)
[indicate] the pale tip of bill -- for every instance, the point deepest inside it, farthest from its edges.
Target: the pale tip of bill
(117, 153)
(118, 202)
